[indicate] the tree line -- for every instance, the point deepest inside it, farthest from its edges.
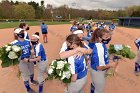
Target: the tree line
(32, 10)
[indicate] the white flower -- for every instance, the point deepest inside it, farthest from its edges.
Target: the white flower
(60, 73)
(66, 74)
(128, 46)
(12, 55)
(6, 45)
(53, 62)
(16, 48)
(51, 66)
(50, 71)
(65, 62)
(8, 48)
(60, 65)
(118, 47)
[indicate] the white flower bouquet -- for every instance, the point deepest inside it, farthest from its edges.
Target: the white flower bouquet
(116, 52)
(121, 50)
(60, 69)
(9, 55)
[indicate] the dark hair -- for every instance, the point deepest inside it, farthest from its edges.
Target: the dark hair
(15, 36)
(43, 23)
(73, 38)
(21, 25)
(98, 33)
(74, 22)
(80, 27)
(37, 33)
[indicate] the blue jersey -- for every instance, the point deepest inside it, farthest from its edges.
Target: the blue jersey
(101, 27)
(78, 66)
(137, 42)
(73, 28)
(25, 46)
(91, 45)
(26, 36)
(89, 34)
(40, 51)
(99, 56)
(112, 27)
(44, 28)
(88, 26)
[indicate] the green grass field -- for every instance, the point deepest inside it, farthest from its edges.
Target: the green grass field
(35, 23)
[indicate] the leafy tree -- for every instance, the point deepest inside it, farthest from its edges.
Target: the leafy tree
(6, 9)
(24, 11)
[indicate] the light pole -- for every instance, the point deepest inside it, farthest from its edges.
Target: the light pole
(52, 15)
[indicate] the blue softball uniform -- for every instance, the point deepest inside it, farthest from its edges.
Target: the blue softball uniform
(40, 51)
(78, 66)
(137, 42)
(99, 56)
(26, 36)
(89, 34)
(88, 26)
(101, 27)
(73, 28)
(25, 46)
(112, 27)
(44, 28)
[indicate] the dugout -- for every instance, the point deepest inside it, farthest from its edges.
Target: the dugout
(129, 21)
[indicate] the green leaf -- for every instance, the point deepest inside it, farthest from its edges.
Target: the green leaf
(66, 67)
(66, 80)
(57, 71)
(55, 64)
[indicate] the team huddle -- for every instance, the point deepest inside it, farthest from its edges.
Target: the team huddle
(75, 50)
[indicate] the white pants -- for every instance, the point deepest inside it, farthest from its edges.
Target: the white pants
(77, 87)
(26, 70)
(42, 68)
(98, 80)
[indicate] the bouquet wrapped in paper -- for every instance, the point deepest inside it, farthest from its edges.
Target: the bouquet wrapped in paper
(60, 69)
(9, 55)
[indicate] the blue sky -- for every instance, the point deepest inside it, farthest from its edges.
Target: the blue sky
(91, 4)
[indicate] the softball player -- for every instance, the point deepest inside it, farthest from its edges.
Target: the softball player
(44, 29)
(83, 26)
(112, 26)
(27, 70)
(78, 65)
(80, 34)
(102, 26)
(88, 27)
(26, 28)
(137, 59)
(73, 27)
(40, 58)
(99, 60)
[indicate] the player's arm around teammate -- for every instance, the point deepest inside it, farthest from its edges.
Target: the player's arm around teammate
(40, 58)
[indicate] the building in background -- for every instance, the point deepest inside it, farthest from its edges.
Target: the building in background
(129, 21)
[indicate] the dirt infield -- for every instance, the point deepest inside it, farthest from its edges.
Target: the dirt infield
(124, 82)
